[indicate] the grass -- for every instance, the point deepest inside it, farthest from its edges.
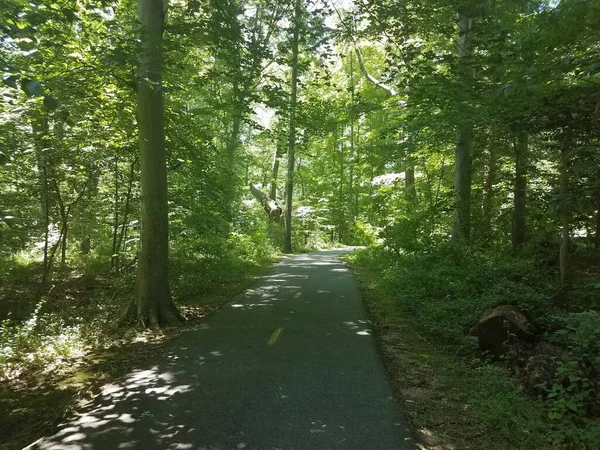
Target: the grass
(454, 402)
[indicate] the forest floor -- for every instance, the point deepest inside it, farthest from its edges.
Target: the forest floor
(88, 349)
(452, 402)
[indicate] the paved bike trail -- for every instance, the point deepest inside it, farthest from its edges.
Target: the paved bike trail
(291, 364)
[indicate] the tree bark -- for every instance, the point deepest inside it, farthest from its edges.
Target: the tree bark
(597, 237)
(121, 238)
(342, 213)
(65, 224)
(274, 175)
(40, 138)
(358, 171)
(289, 185)
(232, 149)
(462, 183)
(154, 306)
(271, 207)
(409, 179)
(461, 228)
(489, 180)
(519, 234)
(114, 257)
(564, 207)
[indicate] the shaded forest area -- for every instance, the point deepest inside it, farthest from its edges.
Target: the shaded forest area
(156, 156)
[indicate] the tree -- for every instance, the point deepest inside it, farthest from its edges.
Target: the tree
(153, 306)
(461, 227)
(289, 184)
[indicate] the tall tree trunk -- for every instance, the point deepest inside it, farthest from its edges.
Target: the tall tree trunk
(358, 171)
(114, 258)
(371, 202)
(342, 212)
(489, 180)
(564, 207)
(352, 185)
(461, 228)
(41, 143)
(232, 149)
(65, 223)
(409, 179)
(597, 237)
(120, 245)
(462, 183)
(519, 234)
(274, 175)
(154, 305)
(289, 185)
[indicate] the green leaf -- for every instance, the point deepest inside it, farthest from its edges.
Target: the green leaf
(11, 81)
(32, 88)
(50, 102)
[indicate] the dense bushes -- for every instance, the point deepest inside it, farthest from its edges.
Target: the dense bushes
(446, 290)
(80, 312)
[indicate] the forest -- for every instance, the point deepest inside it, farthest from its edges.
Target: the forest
(157, 156)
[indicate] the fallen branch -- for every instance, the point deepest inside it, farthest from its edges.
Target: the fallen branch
(271, 207)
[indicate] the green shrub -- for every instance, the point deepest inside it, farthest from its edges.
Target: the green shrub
(445, 290)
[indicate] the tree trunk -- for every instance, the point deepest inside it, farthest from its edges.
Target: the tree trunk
(464, 137)
(352, 186)
(154, 306)
(65, 224)
(274, 175)
(289, 185)
(40, 138)
(232, 150)
(489, 180)
(271, 207)
(519, 220)
(114, 258)
(342, 212)
(597, 237)
(358, 171)
(121, 239)
(462, 183)
(409, 179)
(564, 208)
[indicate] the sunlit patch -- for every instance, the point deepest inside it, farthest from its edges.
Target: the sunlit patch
(74, 437)
(126, 418)
(167, 377)
(179, 446)
(365, 332)
(352, 325)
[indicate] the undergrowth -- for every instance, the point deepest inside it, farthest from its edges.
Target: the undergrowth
(443, 293)
(50, 347)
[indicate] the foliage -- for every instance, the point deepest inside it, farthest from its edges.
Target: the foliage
(435, 382)
(382, 90)
(445, 292)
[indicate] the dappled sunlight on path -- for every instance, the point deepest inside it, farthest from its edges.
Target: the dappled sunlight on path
(289, 364)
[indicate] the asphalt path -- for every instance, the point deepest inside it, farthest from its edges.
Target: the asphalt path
(291, 364)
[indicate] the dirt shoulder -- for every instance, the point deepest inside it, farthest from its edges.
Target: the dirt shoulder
(453, 403)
